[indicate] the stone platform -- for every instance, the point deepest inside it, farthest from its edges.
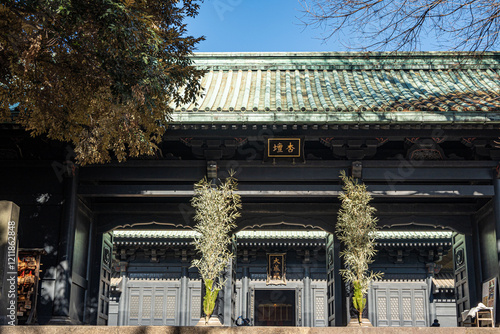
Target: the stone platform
(239, 330)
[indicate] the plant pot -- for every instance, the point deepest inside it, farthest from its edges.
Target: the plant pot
(212, 322)
(365, 322)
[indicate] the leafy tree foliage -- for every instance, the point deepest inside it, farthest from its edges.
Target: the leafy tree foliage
(100, 74)
(356, 227)
(216, 210)
(399, 25)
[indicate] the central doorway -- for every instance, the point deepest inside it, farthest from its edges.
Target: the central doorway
(275, 307)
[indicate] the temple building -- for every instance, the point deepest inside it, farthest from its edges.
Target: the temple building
(153, 283)
(111, 244)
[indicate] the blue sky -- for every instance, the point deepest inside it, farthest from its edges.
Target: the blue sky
(258, 26)
(255, 25)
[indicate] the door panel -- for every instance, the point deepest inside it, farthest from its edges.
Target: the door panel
(461, 277)
(400, 304)
(195, 302)
(153, 306)
(105, 279)
(319, 319)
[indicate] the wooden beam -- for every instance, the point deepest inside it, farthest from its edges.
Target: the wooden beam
(251, 171)
(289, 190)
(316, 209)
(407, 172)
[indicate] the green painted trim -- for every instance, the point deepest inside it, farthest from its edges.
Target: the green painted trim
(320, 118)
(346, 60)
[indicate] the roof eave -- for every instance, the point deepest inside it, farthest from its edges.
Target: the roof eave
(367, 117)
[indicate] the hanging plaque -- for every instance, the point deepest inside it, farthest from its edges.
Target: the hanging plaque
(284, 147)
(276, 269)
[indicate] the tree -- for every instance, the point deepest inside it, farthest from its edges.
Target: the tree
(216, 210)
(356, 227)
(399, 25)
(100, 74)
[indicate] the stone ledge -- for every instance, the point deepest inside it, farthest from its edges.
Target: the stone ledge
(237, 330)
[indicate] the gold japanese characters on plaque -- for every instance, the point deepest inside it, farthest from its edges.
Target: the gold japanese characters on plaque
(276, 269)
(284, 147)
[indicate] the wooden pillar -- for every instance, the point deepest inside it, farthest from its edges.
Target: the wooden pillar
(307, 298)
(245, 280)
(62, 287)
(477, 252)
(341, 302)
(496, 203)
(9, 221)
(184, 294)
(229, 288)
(227, 301)
(432, 302)
(122, 307)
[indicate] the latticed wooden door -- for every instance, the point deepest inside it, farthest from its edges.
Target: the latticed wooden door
(400, 304)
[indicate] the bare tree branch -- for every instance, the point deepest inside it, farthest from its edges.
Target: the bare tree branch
(471, 25)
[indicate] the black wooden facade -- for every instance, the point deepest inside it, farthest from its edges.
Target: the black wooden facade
(152, 283)
(421, 130)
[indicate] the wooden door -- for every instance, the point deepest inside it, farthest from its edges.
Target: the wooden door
(461, 277)
(105, 279)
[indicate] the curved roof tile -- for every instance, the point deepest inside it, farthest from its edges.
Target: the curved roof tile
(332, 83)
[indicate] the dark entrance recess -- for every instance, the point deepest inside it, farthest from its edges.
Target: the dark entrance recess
(275, 307)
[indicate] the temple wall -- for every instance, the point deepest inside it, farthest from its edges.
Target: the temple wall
(446, 313)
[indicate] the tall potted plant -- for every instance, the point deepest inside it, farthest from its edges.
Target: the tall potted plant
(216, 210)
(356, 227)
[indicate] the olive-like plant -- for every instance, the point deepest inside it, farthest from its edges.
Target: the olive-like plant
(356, 227)
(216, 210)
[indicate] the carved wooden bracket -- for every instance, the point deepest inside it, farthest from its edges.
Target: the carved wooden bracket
(484, 147)
(425, 149)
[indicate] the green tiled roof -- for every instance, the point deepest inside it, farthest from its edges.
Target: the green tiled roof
(321, 88)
